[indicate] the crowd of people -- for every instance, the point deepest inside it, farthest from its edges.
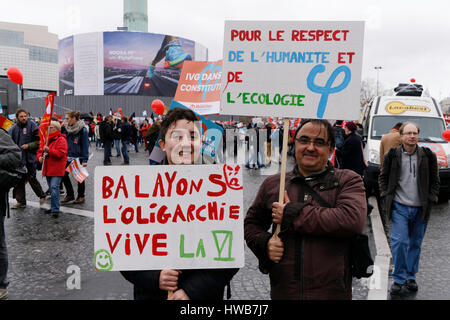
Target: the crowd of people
(310, 256)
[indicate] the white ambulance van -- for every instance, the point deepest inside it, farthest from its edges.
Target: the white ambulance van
(384, 112)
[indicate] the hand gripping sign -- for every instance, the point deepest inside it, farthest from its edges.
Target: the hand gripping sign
(292, 69)
(176, 217)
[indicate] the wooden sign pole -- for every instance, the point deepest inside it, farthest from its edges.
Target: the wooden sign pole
(283, 165)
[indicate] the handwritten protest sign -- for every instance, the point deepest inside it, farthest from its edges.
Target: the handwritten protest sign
(200, 85)
(293, 69)
(159, 217)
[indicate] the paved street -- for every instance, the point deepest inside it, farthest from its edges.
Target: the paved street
(43, 250)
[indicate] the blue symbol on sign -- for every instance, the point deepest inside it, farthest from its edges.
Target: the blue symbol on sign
(326, 90)
(205, 89)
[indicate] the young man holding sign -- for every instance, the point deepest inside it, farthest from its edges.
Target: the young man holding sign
(309, 259)
(180, 140)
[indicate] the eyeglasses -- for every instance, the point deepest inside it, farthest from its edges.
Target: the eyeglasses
(320, 143)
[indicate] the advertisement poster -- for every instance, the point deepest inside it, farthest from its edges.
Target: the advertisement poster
(66, 66)
(137, 63)
(88, 58)
(293, 69)
(170, 217)
(200, 86)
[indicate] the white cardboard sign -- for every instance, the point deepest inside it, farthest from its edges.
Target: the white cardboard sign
(168, 217)
(292, 69)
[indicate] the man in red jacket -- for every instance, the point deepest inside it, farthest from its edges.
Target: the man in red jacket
(54, 158)
(309, 259)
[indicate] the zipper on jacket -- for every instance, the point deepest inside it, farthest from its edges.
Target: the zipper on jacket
(302, 280)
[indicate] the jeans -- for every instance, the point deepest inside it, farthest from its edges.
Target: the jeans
(408, 232)
(53, 184)
(3, 254)
(126, 159)
(117, 144)
(107, 151)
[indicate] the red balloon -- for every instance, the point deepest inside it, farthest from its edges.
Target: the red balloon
(158, 107)
(446, 135)
(412, 80)
(15, 75)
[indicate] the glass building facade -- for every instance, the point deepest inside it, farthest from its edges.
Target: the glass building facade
(34, 51)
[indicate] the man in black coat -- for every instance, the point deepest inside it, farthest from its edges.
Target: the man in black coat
(107, 137)
(25, 133)
(125, 137)
(10, 159)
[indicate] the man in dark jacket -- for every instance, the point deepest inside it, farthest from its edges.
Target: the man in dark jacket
(309, 258)
(409, 184)
(125, 136)
(25, 133)
(177, 131)
(10, 159)
(107, 137)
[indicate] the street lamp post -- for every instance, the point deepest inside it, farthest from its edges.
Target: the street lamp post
(378, 68)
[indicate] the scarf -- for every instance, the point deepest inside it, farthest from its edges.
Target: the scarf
(77, 127)
(53, 135)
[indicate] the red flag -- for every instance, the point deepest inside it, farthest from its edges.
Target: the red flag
(46, 119)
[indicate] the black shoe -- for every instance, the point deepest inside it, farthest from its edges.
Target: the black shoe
(411, 285)
(107, 163)
(55, 214)
(48, 211)
(396, 288)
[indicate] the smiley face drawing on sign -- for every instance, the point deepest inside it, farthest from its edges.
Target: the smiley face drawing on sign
(231, 179)
(103, 260)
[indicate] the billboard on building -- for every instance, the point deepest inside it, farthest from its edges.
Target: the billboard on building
(66, 66)
(125, 63)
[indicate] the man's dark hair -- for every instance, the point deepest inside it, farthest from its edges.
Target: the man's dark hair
(173, 116)
(19, 111)
(321, 123)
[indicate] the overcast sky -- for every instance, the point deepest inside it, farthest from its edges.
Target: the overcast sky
(407, 38)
